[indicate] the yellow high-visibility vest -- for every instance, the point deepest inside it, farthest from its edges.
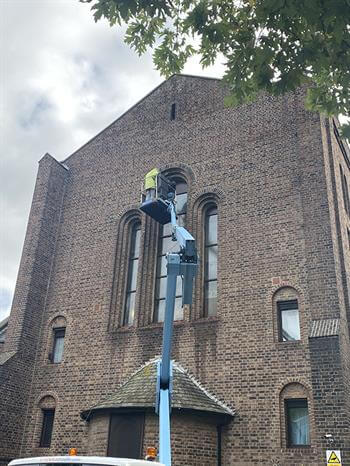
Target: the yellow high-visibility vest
(150, 179)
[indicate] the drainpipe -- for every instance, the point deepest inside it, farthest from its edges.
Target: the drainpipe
(219, 433)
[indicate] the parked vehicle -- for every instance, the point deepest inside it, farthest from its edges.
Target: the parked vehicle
(80, 461)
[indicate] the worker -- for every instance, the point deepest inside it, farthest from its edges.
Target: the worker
(151, 183)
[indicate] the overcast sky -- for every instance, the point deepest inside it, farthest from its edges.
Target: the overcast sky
(63, 78)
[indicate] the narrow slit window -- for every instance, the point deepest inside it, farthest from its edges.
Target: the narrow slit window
(47, 427)
(166, 245)
(173, 111)
(129, 310)
(210, 261)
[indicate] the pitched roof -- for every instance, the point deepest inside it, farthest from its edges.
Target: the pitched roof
(140, 391)
(172, 77)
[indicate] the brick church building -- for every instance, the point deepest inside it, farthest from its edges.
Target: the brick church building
(262, 357)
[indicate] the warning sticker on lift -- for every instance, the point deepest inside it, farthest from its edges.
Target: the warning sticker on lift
(333, 458)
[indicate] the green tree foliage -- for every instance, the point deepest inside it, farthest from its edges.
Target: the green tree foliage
(270, 45)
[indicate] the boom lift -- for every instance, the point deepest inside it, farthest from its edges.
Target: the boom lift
(162, 208)
(159, 204)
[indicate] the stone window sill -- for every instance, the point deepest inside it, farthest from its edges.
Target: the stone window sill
(159, 325)
(281, 345)
(298, 449)
(177, 323)
(205, 320)
(126, 329)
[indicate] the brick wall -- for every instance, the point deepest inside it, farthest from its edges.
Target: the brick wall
(19, 352)
(267, 165)
(98, 431)
(330, 395)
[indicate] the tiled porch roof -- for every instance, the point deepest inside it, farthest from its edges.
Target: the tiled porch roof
(140, 391)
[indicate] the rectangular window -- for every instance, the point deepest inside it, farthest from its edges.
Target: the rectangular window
(46, 431)
(210, 261)
(126, 435)
(288, 316)
(58, 344)
(297, 419)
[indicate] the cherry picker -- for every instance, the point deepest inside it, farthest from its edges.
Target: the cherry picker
(160, 204)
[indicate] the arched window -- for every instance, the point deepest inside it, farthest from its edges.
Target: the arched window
(166, 245)
(295, 416)
(47, 406)
(127, 263)
(134, 252)
(210, 260)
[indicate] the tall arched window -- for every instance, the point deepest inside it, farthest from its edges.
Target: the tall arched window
(210, 260)
(134, 252)
(166, 245)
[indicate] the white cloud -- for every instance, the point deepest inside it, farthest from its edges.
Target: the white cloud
(63, 79)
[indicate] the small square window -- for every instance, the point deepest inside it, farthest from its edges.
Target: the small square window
(297, 420)
(46, 431)
(288, 316)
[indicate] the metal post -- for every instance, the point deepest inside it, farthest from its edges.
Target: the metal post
(164, 427)
(173, 267)
(173, 270)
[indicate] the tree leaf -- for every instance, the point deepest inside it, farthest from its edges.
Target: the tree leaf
(270, 45)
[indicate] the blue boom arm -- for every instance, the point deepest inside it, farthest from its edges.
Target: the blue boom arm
(183, 263)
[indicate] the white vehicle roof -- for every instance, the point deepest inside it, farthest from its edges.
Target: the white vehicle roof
(98, 460)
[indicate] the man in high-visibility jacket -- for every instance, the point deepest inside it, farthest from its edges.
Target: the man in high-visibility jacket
(151, 183)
